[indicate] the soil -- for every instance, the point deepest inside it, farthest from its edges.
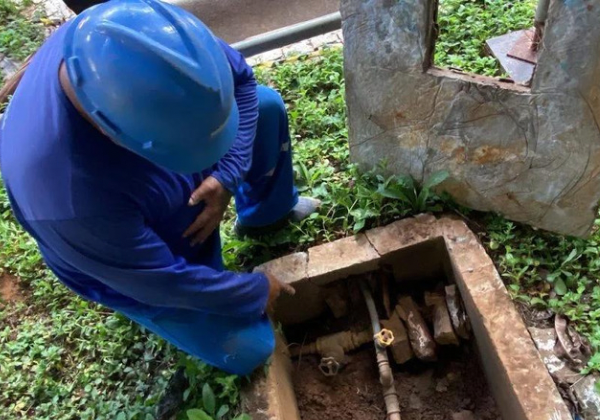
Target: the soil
(9, 289)
(427, 391)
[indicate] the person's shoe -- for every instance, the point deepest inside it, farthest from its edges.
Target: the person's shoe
(304, 208)
(172, 399)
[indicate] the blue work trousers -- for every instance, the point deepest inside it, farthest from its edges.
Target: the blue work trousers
(267, 195)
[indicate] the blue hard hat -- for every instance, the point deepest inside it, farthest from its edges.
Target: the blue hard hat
(155, 80)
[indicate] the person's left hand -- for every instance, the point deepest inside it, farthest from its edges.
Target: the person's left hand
(216, 199)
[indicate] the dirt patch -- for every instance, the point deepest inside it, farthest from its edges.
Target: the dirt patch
(9, 289)
(427, 391)
(354, 394)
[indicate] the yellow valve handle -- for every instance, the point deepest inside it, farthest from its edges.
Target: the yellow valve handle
(384, 338)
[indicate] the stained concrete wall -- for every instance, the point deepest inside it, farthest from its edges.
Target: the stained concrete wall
(531, 154)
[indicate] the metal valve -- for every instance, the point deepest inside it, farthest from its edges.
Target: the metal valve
(384, 338)
(329, 366)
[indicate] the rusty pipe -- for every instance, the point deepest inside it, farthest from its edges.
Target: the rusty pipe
(541, 14)
(390, 395)
(333, 348)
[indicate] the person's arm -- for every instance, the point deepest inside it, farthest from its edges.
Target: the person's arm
(130, 258)
(231, 170)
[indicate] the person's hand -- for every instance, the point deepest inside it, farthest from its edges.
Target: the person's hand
(276, 287)
(216, 199)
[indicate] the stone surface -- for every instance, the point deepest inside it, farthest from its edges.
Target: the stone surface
(309, 299)
(271, 396)
(401, 234)
(588, 397)
(531, 154)
(516, 374)
(342, 258)
(419, 335)
(544, 339)
(443, 332)
(521, 384)
(288, 269)
(456, 312)
(464, 415)
(337, 300)
(400, 348)
(55, 10)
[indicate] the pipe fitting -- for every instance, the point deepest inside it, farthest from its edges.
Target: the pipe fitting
(384, 338)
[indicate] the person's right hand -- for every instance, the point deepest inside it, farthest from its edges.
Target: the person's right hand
(276, 287)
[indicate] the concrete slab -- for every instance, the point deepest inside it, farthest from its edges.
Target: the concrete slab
(516, 374)
(586, 392)
(532, 154)
(519, 70)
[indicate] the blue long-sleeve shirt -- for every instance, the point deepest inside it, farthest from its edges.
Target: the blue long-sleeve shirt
(108, 222)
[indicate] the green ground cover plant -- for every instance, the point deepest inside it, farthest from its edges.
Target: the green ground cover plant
(62, 358)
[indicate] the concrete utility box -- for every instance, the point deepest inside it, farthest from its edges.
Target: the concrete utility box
(532, 154)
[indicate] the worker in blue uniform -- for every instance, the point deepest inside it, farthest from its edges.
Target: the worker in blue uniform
(125, 139)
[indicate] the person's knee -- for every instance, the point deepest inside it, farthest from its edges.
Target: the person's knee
(270, 102)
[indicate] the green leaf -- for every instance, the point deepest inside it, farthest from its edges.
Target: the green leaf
(389, 193)
(222, 411)
(243, 416)
(360, 223)
(208, 399)
(121, 416)
(422, 200)
(570, 257)
(406, 181)
(538, 301)
(560, 287)
(553, 276)
(436, 179)
(197, 414)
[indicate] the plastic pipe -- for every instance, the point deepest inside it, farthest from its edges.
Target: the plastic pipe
(392, 405)
(289, 34)
(541, 14)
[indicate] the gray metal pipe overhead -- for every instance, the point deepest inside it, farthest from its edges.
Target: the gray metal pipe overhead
(289, 35)
(541, 12)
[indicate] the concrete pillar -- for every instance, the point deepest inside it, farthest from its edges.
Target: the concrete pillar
(532, 154)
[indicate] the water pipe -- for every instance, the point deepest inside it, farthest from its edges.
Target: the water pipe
(289, 34)
(382, 339)
(333, 348)
(541, 14)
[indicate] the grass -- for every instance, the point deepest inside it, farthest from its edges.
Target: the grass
(465, 25)
(62, 358)
(20, 34)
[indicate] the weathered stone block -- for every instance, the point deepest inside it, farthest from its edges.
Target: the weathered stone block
(443, 331)
(420, 338)
(289, 269)
(545, 339)
(342, 258)
(510, 356)
(402, 234)
(270, 395)
(532, 154)
(588, 397)
(400, 348)
(309, 299)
